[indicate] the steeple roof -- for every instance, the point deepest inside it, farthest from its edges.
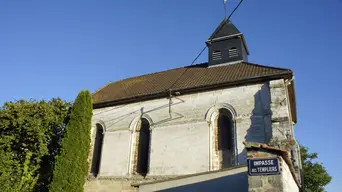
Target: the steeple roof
(225, 29)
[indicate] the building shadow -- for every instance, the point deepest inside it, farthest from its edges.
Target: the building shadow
(260, 129)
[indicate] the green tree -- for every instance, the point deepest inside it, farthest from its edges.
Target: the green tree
(314, 173)
(71, 165)
(29, 131)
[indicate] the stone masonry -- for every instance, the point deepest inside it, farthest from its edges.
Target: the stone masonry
(286, 181)
(183, 131)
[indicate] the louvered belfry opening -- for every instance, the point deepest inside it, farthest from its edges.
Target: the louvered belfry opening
(143, 148)
(225, 138)
(217, 55)
(95, 166)
(233, 52)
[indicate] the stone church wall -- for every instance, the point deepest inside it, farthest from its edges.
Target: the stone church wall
(181, 128)
(184, 132)
(109, 186)
(281, 118)
(282, 125)
(115, 152)
(180, 149)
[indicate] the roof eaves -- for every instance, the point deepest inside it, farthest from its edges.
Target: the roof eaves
(132, 99)
(223, 38)
(292, 95)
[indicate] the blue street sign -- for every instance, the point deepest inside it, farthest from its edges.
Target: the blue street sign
(265, 166)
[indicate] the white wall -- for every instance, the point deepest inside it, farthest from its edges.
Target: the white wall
(180, 141)
(114, 160)
(289, 184)
(180, 149)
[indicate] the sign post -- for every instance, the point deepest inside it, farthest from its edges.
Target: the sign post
(264, 166)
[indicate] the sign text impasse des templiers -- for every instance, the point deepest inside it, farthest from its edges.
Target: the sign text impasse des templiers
(267, 166)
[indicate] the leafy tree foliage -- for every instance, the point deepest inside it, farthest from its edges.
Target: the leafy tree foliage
(314, 173)
(72, 166)
(29, 135)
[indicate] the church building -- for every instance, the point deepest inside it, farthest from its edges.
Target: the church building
(223, 125)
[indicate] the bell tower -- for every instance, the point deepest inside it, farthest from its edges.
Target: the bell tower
(226, 45)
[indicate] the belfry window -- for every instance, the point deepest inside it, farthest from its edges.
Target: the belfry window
(95, 166)
(217, 55)
(233, 52)
(143, 148)
(225, 134)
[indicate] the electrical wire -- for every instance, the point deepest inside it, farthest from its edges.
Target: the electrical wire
(204, 48)
(230, 15)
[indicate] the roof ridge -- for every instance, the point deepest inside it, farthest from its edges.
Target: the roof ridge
(270, 67)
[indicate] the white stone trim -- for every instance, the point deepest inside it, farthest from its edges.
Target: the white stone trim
(133, 124)
(213, 115)
(132, 128)
(218, 106)
(130, 156)
(94, 132)
(210, 117)
(102, 123)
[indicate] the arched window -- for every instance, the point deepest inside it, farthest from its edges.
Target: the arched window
(95, 165)
(143, 148)
(217, 55)
(225, 138)
(233, 52)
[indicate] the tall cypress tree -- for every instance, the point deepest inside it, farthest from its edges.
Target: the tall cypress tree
(71, 164)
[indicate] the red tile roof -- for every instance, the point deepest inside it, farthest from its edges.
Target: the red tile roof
(187, 78)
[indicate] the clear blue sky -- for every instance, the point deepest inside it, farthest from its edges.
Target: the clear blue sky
(56, 48)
